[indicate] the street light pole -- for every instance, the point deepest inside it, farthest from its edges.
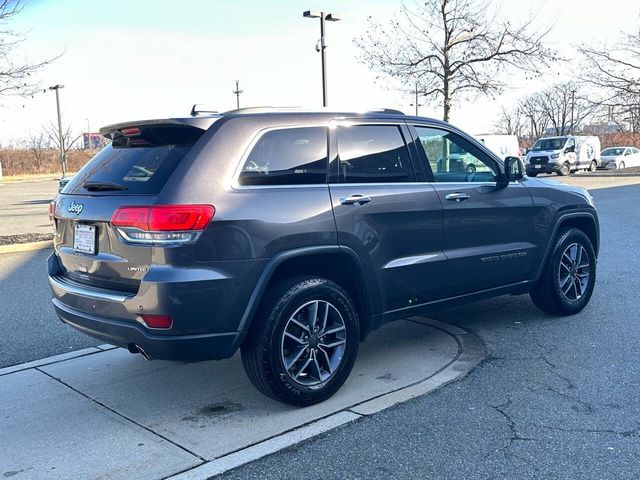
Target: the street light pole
(60, 138)
(330, 17)
(88, 134)
(416, 104)
(573, 103)
(237, 93)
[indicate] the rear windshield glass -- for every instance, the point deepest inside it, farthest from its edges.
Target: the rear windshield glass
(138, 163)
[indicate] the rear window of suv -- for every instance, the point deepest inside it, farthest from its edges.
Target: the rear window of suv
(139, 161)
(287, 156)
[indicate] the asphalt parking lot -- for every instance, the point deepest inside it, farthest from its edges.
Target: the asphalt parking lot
(554, 398)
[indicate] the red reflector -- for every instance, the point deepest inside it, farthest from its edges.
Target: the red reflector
(128, 132)
(157, 321)
(164, 218)
(52, 211)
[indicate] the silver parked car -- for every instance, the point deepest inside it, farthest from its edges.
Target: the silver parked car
(620, 157)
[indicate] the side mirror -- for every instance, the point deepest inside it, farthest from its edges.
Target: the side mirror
(513, 169)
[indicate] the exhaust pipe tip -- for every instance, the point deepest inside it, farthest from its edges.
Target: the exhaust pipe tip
(133, 348)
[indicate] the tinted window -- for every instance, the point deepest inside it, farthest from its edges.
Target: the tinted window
(454, 159)
(139, 163)
(373, 153)
(292, 156)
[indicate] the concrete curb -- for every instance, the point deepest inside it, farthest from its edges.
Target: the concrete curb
(55, 359)
(470, 353)
(26, 247)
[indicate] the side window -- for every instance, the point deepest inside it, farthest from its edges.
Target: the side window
(454, 159)
(571, 145)
(291, 156)
(635, 150)
(373, 154)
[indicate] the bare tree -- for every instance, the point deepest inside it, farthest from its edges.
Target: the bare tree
(16, 75)
(452, 48)
(67, 140)
(39, 145)
(566, 107)
(510, 122)
(615, 69)
(533, 114)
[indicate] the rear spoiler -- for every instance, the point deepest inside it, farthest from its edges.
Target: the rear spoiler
(203, 123)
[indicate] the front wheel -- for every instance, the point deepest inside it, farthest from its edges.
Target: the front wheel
(593, 166)
(564, 170)
(568, 278)
(621, 165)
(304, 341)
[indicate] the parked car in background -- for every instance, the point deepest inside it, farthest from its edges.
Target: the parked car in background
(620, 157)
(563, 155)
(63, 182)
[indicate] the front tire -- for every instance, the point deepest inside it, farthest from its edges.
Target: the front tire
(620, 165)
(569, 276)
(303, 342)
(593, 166)
(564, 170)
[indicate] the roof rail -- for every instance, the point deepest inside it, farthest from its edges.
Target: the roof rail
(309, 109)
(200, 109)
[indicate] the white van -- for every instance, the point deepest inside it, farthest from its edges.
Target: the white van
(563, 155)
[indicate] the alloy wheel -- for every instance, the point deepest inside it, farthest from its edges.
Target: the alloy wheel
(574, 272)
(313, 343)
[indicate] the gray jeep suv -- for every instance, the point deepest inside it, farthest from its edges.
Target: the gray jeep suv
(293, 234)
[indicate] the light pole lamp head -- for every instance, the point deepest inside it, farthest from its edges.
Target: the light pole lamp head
(312, 14)
(332, 17)
(56, 87)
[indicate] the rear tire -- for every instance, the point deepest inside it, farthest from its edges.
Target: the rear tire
(569, 276)
(532, 175)
(303, 342)
(593, 166)
(621, 165)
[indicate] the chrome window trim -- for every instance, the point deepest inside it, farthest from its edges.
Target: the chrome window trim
(329, 125)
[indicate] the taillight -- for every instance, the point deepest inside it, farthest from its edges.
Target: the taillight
(162, 224)
(52, 212)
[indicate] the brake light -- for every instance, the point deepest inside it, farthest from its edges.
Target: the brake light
(157, 321)
(52, 212)
(162, 224)
(130, 132)
(164, 218)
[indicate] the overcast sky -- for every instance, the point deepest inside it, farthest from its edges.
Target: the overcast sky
(125, 60)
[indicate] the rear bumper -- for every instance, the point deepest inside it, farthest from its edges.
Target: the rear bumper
(205, 304)
(191, 348)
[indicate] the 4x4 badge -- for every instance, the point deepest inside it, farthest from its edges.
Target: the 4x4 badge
(76, 208)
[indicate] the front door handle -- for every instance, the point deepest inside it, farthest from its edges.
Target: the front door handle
(355, 199)
(457, 197)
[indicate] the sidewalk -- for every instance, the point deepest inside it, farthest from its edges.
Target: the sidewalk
(104, 413)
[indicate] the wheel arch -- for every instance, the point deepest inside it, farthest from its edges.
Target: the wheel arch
(584, 221)
(338, 263)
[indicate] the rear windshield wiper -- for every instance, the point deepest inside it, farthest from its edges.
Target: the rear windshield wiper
(102, 186)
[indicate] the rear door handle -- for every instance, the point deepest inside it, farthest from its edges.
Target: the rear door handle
(457, 197)
(355, 199)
